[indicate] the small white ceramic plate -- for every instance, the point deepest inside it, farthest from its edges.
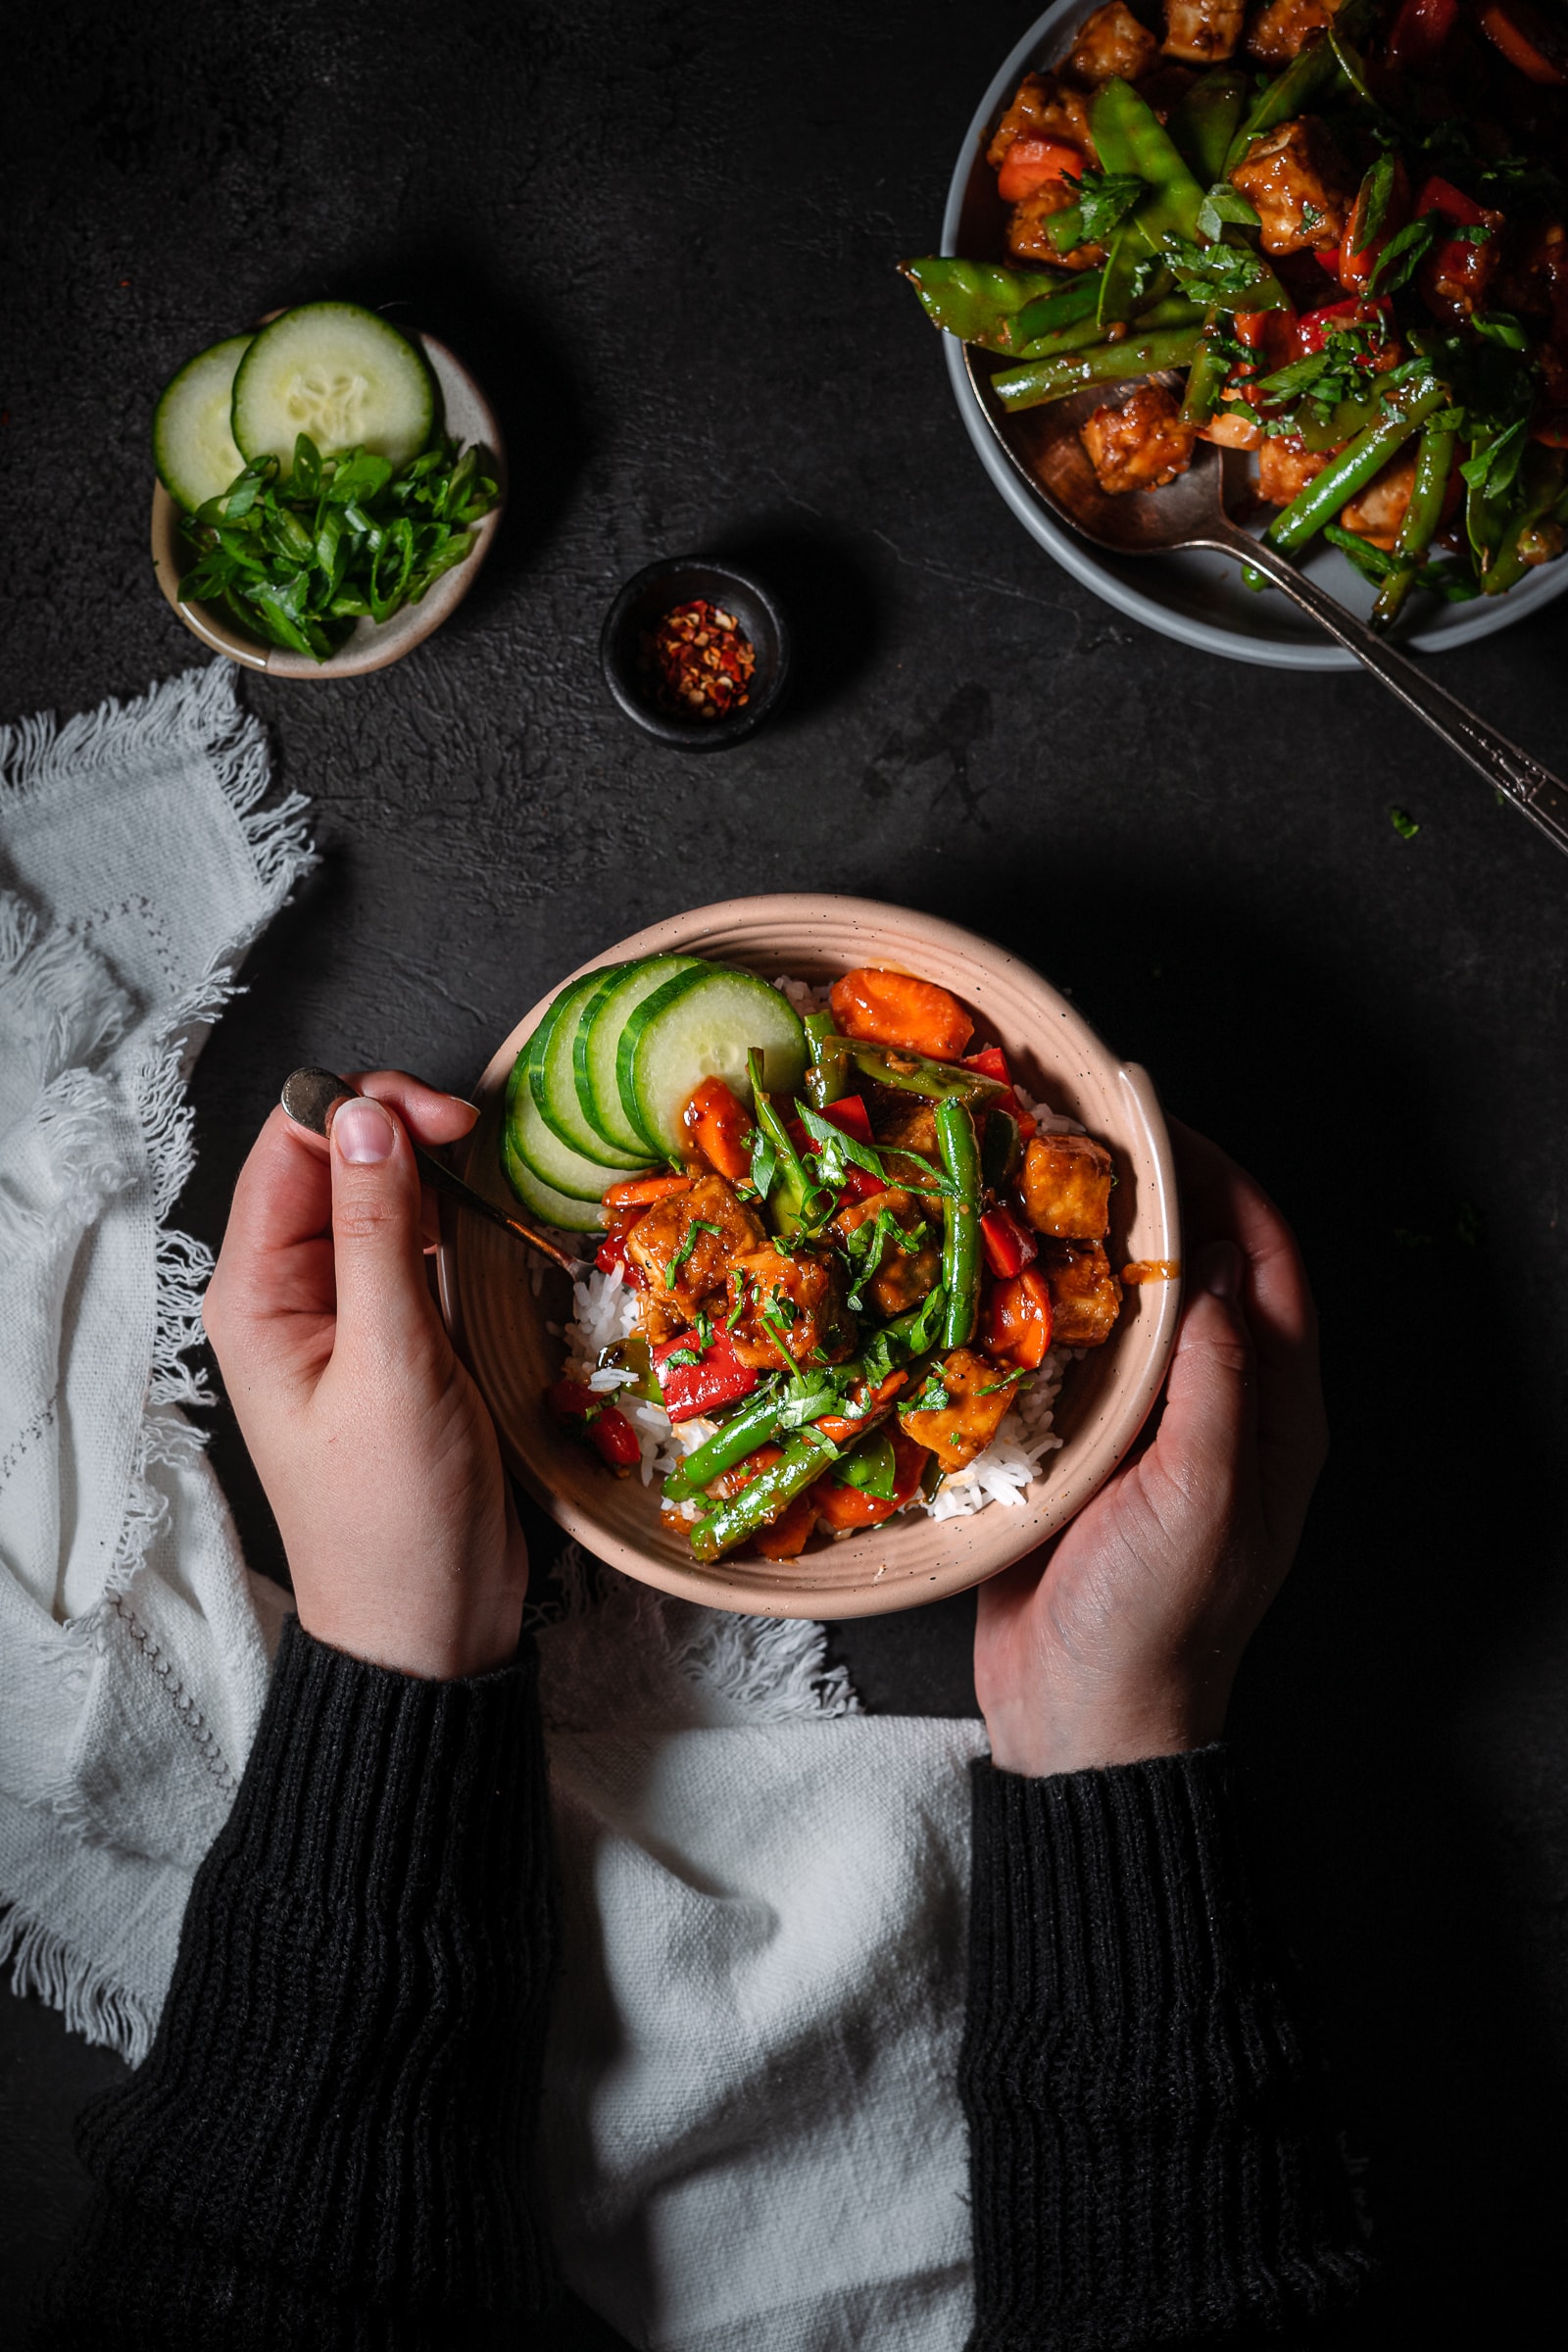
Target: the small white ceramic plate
(466, 415)
(1197, 599)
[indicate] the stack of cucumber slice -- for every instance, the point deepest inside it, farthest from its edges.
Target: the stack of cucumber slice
(331, 369)
(599, 1090)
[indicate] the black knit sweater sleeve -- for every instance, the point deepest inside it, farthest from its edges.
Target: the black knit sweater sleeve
(1144, 2167)
(330, 2142)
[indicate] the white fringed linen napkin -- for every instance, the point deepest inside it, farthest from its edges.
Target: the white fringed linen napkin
(751, 2133)
(137, 863)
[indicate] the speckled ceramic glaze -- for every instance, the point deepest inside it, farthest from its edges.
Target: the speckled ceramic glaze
(467, 415)
(499, 1323)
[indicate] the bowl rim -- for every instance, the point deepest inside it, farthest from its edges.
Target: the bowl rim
(373, 651)
(1087, 564)
(713, 735)
(1153, 1333)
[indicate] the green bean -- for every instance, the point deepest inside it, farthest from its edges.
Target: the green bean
(1205, 378)
(794, 1204)
(773, 1491)
(1150, 347)
(961, 1243)
(1351, 471)
(750, 1427)
(1433, 466)
(914, 1074)
(1065, 229)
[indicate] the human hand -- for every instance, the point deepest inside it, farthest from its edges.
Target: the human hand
(379, 1458)
(1121, 1641)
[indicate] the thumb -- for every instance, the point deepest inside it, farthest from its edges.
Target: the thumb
(377, 1246)
(1211, 1395)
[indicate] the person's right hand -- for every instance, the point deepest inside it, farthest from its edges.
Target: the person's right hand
(1121, 1641)
(377, 1456)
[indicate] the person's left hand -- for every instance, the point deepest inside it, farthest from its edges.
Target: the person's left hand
(377, 1452)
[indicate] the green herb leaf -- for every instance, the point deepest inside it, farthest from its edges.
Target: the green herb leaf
(1403, 823)
(1372, 205)
(688, 1244)
(1404, 254)
(1222, 206)
(1107, 199)
(1500, 326)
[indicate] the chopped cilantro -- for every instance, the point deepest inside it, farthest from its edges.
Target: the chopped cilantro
(1403, 823)
(688, 1244)
(1106, 200)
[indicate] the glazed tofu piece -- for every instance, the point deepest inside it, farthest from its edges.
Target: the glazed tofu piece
(1284, 468)
(1300, 185)
(1141, 444)
(1376, 512)
(1067, 1187)
(1111, 42)
(685, 1246)
(1028, 239)
(905, 1271)
(979, 1393)
(1044, 109)
(791, 1310)
(1282, 30)
(1203, 32)
(1084, 1294)
(905, 1123)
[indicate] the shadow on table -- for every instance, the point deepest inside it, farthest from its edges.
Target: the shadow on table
(828, 596)
(1395, 1854)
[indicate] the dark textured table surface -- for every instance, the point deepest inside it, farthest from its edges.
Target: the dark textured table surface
(662, 237)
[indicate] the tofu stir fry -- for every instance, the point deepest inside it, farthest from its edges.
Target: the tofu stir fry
(1329, 233)
(847, 1282)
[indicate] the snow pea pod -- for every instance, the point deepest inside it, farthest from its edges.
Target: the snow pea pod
(1352, 469)
(1542, 483)
(1131, 138)
(1204, 121)
(1309, 73)
(804, 1461)
(997, 306)
(914, 1074)
(960, 1243)
(1166, 341)
(1433, 466)
(1205, 378)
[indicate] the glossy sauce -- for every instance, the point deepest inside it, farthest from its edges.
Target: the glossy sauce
(1152, 1269)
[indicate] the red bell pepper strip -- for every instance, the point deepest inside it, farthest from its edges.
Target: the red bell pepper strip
(991, 1063)
(716, 1379)
(1009, 1245)
(606, 1428)
(1528, 40)
(1314, 327)
(1017, 1325)
(842, 1428)
(611, 1252)
(1440, 196)
(1358, 256)
(1420, 31)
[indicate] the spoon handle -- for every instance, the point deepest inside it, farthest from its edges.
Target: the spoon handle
(1531, 788)
(309, 1098)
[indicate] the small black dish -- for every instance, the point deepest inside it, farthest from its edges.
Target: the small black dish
(646, 599)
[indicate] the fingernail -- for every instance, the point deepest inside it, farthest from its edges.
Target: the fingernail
(1221, 1269)
(363, 1132)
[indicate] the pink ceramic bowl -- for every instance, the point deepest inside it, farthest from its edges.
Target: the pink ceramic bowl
(498, 1321)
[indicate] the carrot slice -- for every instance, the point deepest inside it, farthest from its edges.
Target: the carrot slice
(721, 1127)
(787, 1536)
(1031, 164)
(641, 1192)
(891, 1009)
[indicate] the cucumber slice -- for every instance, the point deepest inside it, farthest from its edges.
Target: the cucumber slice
(598, 1040)
(547, 1206)
(554, 1086)
(339, 373)
(544, 1153)
(701, 1025)
(193, 448)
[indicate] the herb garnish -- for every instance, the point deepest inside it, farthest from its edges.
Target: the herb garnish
(1106, 200)
(343, 539)
(688, 1244)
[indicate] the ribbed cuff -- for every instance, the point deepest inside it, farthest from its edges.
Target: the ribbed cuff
(1141, 2163)
(344, 2083)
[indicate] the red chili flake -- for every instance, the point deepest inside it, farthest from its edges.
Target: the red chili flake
(699, 662)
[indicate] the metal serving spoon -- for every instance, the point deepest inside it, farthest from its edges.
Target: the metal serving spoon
(1043, 447)
(308, 1096)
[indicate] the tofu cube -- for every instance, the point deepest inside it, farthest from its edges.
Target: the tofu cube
(1202, 33)
(1084, 1294)
(1299, 186)
(1067, 1187)
(1142, 445)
